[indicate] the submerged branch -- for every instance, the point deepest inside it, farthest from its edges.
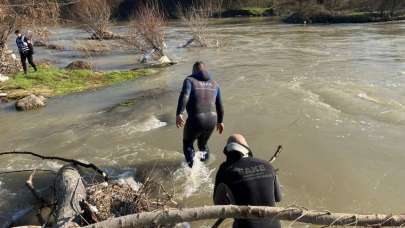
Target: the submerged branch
(75, 162)
(276, 154)
(30, 185)
(28, 170)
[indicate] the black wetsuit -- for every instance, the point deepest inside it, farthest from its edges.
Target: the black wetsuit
(25, 53)
(201, 96)
(251, 182)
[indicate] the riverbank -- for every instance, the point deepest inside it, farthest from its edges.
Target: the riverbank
(323, 17)
(246, 12)
(52, 81)
(349, 17)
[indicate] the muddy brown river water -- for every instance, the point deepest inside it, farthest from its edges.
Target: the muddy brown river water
(333, 96)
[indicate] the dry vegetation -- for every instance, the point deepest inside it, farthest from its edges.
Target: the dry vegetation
(146, 32)
(91, 48)
(115, 200)
(37, 16)
(96, 15)
(7, 23)
(8, 20)
(195, 18)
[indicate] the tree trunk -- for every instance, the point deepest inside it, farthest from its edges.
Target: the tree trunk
(230, 211)
(69, 191)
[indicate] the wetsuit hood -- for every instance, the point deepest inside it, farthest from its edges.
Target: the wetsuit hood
(235, 151)
(202, 76)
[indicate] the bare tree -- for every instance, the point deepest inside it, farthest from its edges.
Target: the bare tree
(146, 32)
(389, 7)
(333, 6)
(196, 19)
(37, 17)
(96, 15)
(7, 23)
(8, 20)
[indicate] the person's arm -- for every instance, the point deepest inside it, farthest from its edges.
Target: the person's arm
(183, 100)
(219, 106)
(184, 97)
(220, 112)
(222, 193)
(277, 190)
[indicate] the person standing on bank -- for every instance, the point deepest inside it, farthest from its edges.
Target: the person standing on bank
(201, 97)
(245, 180)
(26, 50)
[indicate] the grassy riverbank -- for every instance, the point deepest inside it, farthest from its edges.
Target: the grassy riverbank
(53, 81)
(246, 12)
(313, 17)
(347, 17)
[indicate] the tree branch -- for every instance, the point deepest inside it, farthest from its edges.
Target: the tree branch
(75, 162)
(28, 170)
(294, 214)
(275, 156)
(30, 185)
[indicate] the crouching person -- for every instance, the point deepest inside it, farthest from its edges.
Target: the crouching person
(244, 180)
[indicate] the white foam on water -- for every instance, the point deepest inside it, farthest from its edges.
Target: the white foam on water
(310, 97)
(194, 180)
(149, 124)
(128, 178)
(367, 97)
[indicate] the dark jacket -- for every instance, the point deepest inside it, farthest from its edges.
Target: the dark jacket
(22, 44)
(248, 181)
(200, 94)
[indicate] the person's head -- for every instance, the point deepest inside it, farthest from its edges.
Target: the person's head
(198, 67)
(237, 147)
(17, 32)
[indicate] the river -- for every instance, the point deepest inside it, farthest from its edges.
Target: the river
(332, 95)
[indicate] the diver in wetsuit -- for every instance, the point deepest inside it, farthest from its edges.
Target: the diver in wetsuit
(201, 97)
(244, 180)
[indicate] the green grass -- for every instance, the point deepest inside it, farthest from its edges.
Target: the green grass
(257, 10)
(53, 81)
(248, 11)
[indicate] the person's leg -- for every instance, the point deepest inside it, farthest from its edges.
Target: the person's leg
(209, 123)
(203, 144)
(24, 62)
(31, 61)
(189, 136)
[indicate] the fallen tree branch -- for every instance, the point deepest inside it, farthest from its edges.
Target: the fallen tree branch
(75, 162)
(275, 156)
(28, 170)
(70, 191)
(30, 185)
(302, 215)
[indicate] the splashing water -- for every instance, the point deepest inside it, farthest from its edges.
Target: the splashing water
(149, 124)
(128, 178)
(194, 180)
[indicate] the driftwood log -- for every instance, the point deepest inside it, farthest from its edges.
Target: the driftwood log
(69, 191)
(293, 214)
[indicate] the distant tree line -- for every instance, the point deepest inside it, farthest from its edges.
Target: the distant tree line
(124, 9)
(384, 7)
